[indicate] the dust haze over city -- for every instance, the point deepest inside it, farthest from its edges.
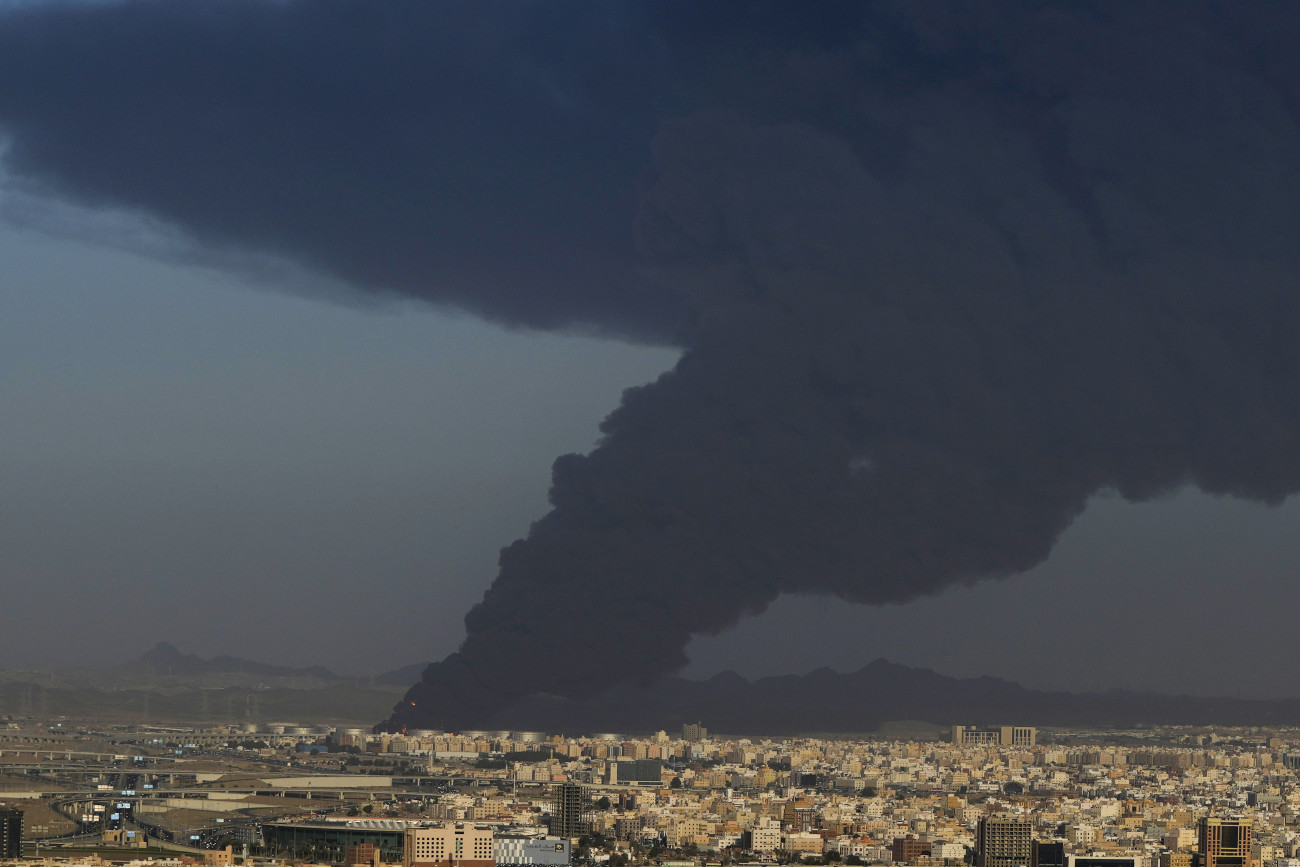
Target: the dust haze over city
(961, 334)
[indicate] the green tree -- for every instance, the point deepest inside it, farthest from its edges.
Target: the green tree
(676, 783)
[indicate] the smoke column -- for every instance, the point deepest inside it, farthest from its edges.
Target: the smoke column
(940, 271)
(910, 369)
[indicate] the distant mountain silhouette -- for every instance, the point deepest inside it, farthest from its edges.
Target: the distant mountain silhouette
(165, 660)
(820, 701)
(404, 676)
(827, 701)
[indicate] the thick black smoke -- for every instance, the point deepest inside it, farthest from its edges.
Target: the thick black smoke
(940, 271)
(461, 152)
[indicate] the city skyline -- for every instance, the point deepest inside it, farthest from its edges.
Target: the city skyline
(1175, 796)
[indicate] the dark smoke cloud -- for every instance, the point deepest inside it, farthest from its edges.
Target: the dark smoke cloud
(463, 153)
(941, 271)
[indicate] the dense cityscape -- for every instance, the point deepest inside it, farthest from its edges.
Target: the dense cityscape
(1002, 796)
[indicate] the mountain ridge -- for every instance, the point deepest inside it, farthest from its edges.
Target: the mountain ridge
(861, 701)
(785, 704)
(165, 659)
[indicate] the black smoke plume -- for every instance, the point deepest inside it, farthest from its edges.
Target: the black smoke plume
(940, 271)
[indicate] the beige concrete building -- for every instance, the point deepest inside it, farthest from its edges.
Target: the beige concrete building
(452, 845)
(1003, 736)
(1224, 842)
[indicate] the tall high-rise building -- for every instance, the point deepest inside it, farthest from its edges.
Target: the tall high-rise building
(570, 806)
(1003, 841)
(11, 833)
(1223, 842)
(694, 732)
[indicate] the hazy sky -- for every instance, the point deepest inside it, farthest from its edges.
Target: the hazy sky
(191, 458)
(299, 302)
(1189, 594)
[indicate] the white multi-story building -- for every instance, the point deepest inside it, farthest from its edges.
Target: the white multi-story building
(523, 850)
